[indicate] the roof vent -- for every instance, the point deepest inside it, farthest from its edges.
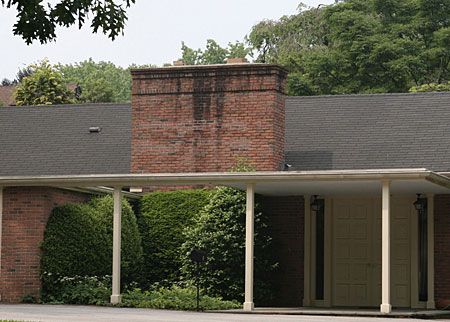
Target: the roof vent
(95, 129)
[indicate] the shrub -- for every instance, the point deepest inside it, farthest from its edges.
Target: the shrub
(220, 232)
(175, 298)
(164, 216)
(82, 290)
(78, 242)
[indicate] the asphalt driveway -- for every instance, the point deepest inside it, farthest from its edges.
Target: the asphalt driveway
(70, 313)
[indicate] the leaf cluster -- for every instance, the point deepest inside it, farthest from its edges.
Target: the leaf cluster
(38, 21)
(42, 84)
(213, 53)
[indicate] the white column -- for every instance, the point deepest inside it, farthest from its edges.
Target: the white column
(249, 235)
(430, 233)
(386, 250)
(117, 229)
(307, 255)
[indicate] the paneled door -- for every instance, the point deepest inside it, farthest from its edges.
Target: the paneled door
(356, 253)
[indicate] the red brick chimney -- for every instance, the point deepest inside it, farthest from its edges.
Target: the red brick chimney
(207, 118)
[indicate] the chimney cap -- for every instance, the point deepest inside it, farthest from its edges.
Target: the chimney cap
(178, 62)
(237, 60)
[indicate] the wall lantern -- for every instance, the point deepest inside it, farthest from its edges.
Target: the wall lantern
(315, 205)
(419, 204)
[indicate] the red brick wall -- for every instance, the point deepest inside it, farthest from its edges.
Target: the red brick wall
(25, 214)
(442, 250)
(206, 118)
(287, 224)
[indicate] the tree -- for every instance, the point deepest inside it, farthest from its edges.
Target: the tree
(99, 81)
(433, 87)
(213, 53)
(7, 82)
(359, 46)
(45, 86)
(220, 233)
(38, 21)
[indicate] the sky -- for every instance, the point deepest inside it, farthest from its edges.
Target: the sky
(153, 35)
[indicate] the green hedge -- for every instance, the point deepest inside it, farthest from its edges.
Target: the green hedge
(164, 216)
(78, 242)
(220, 233)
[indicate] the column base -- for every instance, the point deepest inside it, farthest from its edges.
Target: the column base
(431, 305)
(116, 299)
(249, 306)
(385, 308)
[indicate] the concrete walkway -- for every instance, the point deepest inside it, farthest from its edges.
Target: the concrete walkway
(69, 313)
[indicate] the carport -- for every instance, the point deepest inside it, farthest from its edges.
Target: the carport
(382, 183)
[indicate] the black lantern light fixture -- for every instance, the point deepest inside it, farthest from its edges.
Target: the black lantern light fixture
(419, 204)
(315, 204)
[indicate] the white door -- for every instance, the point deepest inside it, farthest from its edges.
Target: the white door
(356, 271)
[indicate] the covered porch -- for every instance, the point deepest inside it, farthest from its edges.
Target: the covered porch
(324, 192)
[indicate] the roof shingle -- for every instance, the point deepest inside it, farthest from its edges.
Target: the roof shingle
(368, 131)
(55, 140)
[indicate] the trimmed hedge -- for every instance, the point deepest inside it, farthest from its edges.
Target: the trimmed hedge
(78, 242)
(164, 216)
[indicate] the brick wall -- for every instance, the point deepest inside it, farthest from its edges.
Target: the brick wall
(25, 214)
(287, 225)
(206, 118)
(442, 250)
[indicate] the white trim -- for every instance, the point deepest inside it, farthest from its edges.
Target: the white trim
(385, 306)
(114, 180)
(430, 233)
(249, 251)
(307, 254)
(117, 231)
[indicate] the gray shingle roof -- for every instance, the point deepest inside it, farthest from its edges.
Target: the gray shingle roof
(368, 131)
(322, 132)
(55, 140)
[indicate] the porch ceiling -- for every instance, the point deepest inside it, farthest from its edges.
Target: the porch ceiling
(345, 188)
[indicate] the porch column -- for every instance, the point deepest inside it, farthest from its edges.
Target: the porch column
(430, 251)
(307, 255)
(386, 250)
(117, 229)
(249, 234)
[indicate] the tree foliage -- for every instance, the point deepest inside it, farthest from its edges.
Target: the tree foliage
(99, 81)
(213, 53)
(433, 87)
(37, 20)
(220, 233)
(44, 85)
(359, 46)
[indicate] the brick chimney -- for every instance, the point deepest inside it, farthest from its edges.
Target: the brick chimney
(207, 118)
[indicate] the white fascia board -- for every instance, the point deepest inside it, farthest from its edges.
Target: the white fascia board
(121, 180)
